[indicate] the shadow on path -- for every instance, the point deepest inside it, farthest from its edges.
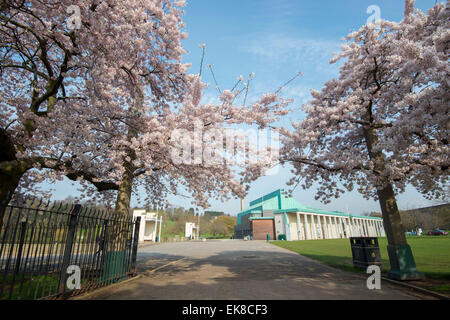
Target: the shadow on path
(246, 274)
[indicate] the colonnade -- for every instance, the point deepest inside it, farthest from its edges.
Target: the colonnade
(308, 226)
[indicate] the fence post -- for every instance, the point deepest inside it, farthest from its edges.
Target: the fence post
(73, 220)
(23, 225)
(104, 249)
(135, 244)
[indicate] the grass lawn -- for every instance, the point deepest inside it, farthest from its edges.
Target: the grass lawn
(431, 253)
(40, 286)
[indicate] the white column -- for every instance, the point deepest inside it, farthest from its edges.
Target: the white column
(344, 227)
(142, 229)
(336, 220)
(341, 227)
(160, 226)
(338, 228)
(335, 227)
(348, 225)
(383, 232)
(313, 227)
(363, 232)
(308, 232)
(330, 228)
(352, 227)
(303, 228)
(298, 227)
(319, 223)
(368, 228)
(349, 229)
(325, 226)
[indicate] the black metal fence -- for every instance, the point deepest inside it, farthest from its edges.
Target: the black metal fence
(60, 250)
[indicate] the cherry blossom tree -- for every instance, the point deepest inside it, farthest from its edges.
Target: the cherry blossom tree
(144, 154)
(96, 99)
(383, 123)
(62, 75)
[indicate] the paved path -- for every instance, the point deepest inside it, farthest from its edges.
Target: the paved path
(237, 269)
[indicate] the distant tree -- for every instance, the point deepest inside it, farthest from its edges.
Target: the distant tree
(218, 228)
(177, 228)
(441, 219)
(375, 214)
(229, 223)
(214, 213)
(409, 220)
(69, 199)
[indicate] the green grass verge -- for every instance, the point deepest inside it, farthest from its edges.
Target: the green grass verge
(44, 286)
(431, 253)
(442, 288)
(38, 286)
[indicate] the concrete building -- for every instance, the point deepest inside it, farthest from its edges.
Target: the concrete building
(150, 227)
(281, 216)
(190, 230)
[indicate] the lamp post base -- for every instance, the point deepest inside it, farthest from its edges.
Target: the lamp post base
(403, 266)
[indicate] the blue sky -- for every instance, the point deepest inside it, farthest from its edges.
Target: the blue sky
(275, 39)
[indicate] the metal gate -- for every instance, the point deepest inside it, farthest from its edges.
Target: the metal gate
(53, 251)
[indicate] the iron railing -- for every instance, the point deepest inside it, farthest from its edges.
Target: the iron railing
(53, 251)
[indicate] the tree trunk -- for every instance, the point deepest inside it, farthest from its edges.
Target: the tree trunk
(126, 184)
(116, 255)
(401, 259)
(391, 216)
(9, 180)
(116, 252)
(124, 192)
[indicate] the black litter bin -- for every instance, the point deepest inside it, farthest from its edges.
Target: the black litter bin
(365, 251)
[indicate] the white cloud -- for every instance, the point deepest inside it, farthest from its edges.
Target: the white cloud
(303, 52)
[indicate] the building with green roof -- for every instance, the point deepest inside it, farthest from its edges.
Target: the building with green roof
(277, 215)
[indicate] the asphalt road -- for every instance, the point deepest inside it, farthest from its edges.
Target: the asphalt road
(237, 269)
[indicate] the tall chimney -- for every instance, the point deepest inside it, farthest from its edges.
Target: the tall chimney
(242, 204)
